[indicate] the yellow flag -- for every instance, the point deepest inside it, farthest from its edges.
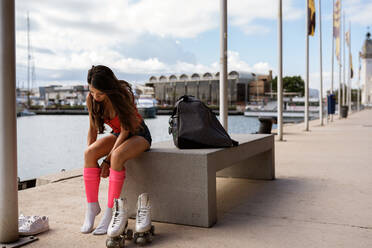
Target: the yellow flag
(311, 16)
(336, 27)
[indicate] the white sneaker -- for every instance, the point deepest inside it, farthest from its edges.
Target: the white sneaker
(22, 220)
(34, 225)
(143, 218)
(119, 220)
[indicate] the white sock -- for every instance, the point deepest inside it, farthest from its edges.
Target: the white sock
(93, 209)
(104, 223)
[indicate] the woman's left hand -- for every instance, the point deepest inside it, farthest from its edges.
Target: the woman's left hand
(105, 170)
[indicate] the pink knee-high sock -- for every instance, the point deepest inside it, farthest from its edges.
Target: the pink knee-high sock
(91, 181)
(116, 180)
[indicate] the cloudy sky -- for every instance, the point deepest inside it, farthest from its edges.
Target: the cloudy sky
(140, 38)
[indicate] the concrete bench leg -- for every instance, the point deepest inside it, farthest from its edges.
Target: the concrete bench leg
(179, 190)
(261, 166)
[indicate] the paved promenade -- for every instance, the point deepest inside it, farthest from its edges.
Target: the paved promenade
(322, 197)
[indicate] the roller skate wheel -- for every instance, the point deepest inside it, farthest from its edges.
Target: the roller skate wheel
(129, 234)
(141, 241)
(148, 237)
(152, 230)
(119, 243)
(135, 238)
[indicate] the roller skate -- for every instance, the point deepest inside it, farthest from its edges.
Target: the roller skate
(118, 230)
(144, 229)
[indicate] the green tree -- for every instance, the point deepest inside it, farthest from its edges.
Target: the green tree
(354, 95)
(290, 84)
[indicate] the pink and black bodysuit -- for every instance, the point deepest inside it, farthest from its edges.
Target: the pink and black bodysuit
(116, 129)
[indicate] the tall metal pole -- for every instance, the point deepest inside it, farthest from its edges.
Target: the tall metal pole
(358, 92)
(344, 68)
(8, 126)
(306, 117)
(280, 73)
(321, 67)
(333, 51)
(223, 64)
(339, 98)
(339, 89)
(349, 69)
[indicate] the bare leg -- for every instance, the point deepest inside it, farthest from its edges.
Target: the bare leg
(129, 149)
(95, 151)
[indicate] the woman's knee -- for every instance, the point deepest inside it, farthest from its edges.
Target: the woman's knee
(90, 154)
(117, 161)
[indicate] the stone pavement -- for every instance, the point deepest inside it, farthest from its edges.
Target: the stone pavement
(322, 197)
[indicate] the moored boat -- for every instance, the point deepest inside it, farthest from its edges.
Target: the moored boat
(146, 107)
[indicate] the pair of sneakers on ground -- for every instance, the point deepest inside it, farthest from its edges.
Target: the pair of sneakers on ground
(32, 225)
(115, 220)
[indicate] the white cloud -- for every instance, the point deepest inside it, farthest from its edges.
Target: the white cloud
(154, 66)
(175, 18)
(314, 81)
(130, 65)
(358, 11)
(235, 63)
(261, 67)
(245, 14)
(72, 35)
(124, 20)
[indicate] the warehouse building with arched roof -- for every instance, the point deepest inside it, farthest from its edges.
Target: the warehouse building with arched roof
(242, 87)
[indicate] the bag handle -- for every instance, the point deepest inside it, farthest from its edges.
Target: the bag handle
(182, 98)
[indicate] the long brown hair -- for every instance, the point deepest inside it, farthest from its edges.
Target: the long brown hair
(120, 94)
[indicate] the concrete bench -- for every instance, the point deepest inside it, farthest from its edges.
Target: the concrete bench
(182, 183)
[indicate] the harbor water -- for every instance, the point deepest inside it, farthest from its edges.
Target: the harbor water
(48, 144)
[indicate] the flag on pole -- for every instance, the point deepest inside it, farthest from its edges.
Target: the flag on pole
(311, 16)
(336, 27)
(347, 38)
(351, 66)
(360, 56)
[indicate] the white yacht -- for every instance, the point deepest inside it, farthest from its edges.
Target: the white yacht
(146, 106)
(294, 109)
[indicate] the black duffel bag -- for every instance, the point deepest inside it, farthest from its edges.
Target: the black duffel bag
(194, 125)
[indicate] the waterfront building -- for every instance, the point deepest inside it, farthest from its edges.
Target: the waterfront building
(65, 95)
(242, 87)
(22, 95)
(143, 91)
(260, 88)
(366, 70)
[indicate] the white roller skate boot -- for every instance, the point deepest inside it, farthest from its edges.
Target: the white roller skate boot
(144, 229)
(117, 231)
